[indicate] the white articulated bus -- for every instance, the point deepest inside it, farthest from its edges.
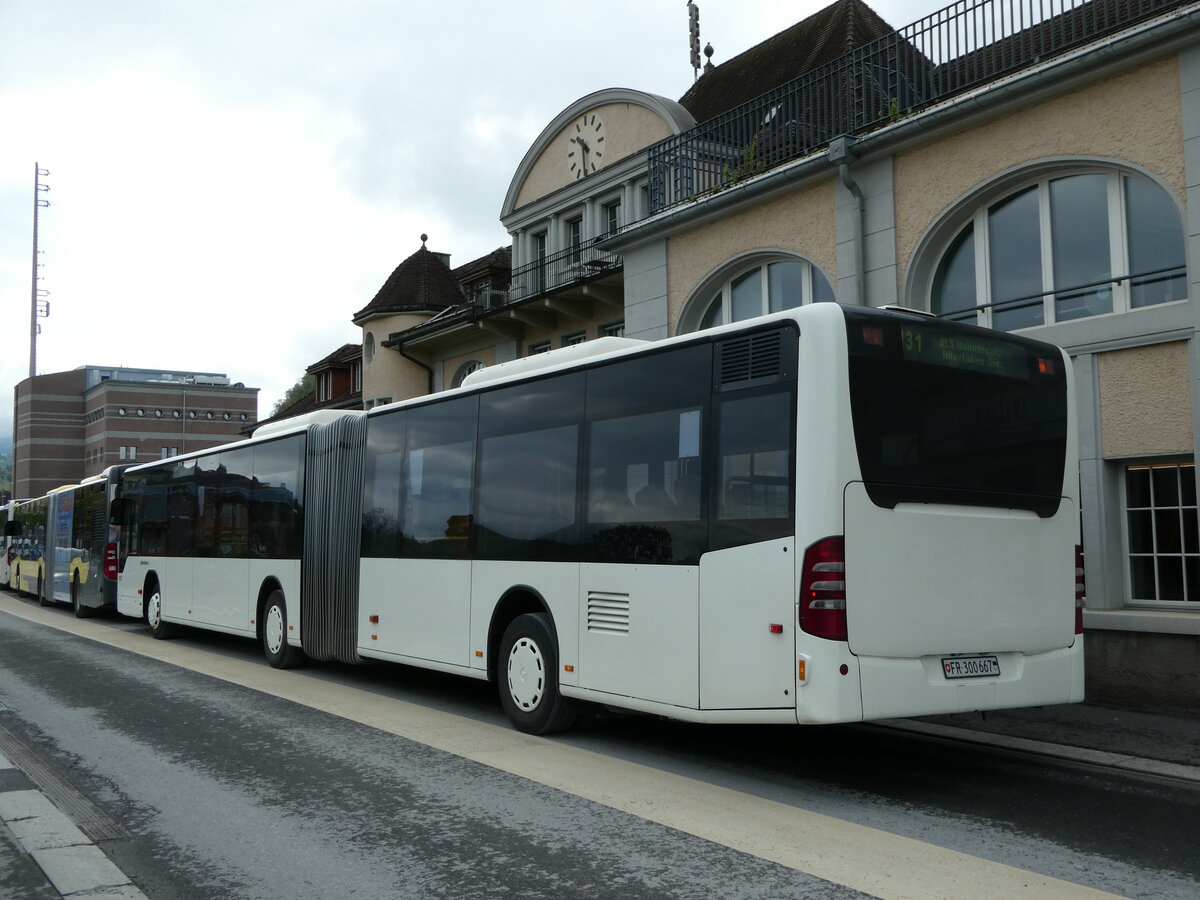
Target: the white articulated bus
(827, 515)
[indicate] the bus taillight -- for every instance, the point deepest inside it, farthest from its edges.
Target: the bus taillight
(1080, 590)
(110, 561)
(823, 589)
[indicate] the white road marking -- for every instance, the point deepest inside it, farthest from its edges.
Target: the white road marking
(866, 859)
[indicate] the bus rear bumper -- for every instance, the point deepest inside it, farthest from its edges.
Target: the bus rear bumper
(896, 688)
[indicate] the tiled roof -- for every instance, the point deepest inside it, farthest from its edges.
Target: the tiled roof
(422, 283)
(499, 260)
(344, 355)
(813, 42)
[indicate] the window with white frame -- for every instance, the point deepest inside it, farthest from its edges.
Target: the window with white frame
(1162, 534)
(612, 216)
(613, 329)
(767, 287)
(575, 237)
(1063, 247)
(575, 337)
(464, 370)
(538, 347)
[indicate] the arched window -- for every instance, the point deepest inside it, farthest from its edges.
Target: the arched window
(1063, 247)
(766, 287)
(464, 370)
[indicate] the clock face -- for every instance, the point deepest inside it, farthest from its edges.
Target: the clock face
(585, 145)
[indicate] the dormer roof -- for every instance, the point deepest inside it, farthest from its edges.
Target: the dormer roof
(422, 283)
(821, 38)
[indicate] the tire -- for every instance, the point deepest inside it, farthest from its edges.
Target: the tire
(81, 611)
(527, 676)
(280, 654)
(41, 594)
(159, 629)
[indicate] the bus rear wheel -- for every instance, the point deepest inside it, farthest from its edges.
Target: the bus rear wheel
(41, 594)
(77, 607)
(280, 654)
(528, 677)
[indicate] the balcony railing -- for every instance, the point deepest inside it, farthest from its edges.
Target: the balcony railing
(559, 270)
(953, 50)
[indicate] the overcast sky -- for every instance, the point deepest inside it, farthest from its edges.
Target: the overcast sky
(231, 180)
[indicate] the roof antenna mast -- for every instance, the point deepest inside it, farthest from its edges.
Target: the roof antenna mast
(39, 306)
(694, 37)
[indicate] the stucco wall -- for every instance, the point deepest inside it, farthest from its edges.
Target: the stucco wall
(602, 314)
(1134, 117)
(389, 374)
(628, 128)
(1145, 400)
(803, 222)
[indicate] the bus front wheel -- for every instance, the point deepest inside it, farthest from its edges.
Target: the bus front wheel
(158, 628)
(528, 677)
(280, 654)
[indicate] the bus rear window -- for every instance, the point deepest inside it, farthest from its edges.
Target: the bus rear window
(950, 413)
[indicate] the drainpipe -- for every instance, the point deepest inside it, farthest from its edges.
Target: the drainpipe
(428, 369)
(841, 152)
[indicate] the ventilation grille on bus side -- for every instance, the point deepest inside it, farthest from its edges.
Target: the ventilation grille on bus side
(754, 357)
(608, 612)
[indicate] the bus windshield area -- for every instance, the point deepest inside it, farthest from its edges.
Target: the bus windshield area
(950, 413)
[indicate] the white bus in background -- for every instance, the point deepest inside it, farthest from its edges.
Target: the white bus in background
(827, 515)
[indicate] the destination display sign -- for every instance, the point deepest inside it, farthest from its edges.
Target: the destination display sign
(960, 351)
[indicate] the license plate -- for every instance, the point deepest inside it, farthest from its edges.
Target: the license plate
(971, 666)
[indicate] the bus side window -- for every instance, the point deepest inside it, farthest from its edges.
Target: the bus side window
(755, 477)
(440, 458)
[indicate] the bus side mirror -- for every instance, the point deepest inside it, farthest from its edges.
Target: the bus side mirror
(12, 528)
(116, 511)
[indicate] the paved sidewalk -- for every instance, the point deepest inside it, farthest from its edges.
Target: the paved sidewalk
(1151, 743)
(43, 853)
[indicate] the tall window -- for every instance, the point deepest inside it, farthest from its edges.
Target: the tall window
(1062, 248)
(575, 237)
(1162, 533)
(539, 254)
(766, 288)
(612, 216)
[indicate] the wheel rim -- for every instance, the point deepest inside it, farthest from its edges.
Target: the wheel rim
(273, 629)
(526, 674)
(154, 610)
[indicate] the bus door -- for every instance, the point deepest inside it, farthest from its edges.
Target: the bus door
(58, 557)
(747, 627)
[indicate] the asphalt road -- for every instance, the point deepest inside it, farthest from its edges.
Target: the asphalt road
(208, 774)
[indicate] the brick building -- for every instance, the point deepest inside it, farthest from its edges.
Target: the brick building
(68, 425)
